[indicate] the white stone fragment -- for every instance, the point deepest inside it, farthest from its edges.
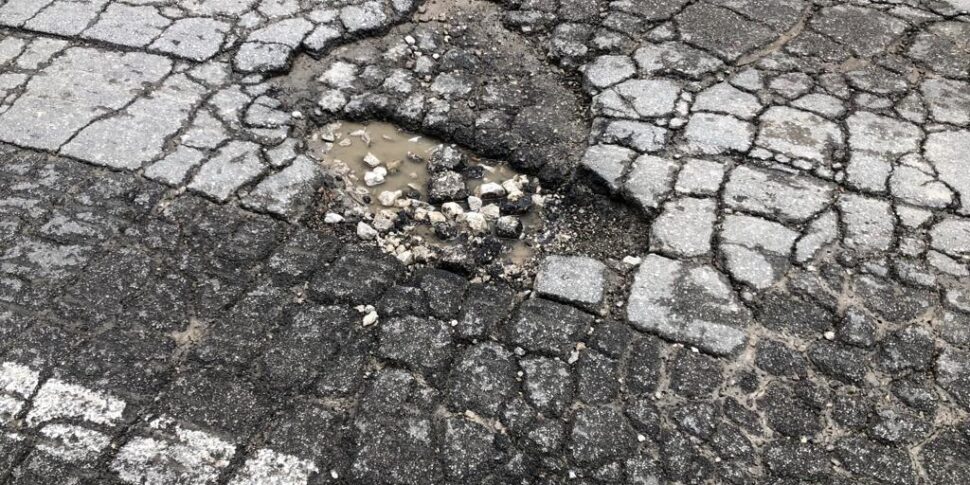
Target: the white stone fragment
(476, 222)
(452, 209)
(371, 160)
(513, 186)
(406, 257)
(632, 260)
(375, 177)
(491, 190)
(9, 408)
(366, 231)
(474, 203)
(388, 198)
(491, 212)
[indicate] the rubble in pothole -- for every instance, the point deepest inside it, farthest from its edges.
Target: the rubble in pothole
(424, 201)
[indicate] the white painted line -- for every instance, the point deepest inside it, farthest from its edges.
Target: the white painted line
(17, 382)
(268, 467)
(72, 443)
(60, 400)
(171, 454)
(9, 408)
(184, 456)
(18, 379)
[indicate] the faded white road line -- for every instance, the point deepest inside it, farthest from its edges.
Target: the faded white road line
(170, 453)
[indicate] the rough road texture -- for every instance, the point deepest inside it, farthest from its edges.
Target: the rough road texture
(755, 269)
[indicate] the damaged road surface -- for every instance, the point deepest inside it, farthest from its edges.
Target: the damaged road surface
(288, 242)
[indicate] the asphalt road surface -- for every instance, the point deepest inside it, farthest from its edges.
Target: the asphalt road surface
(745, 256)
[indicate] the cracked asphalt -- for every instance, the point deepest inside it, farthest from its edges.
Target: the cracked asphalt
(750, 257)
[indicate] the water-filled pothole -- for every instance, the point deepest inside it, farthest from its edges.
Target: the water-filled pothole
(426, 201)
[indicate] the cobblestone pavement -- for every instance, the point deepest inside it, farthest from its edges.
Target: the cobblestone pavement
(754, 267)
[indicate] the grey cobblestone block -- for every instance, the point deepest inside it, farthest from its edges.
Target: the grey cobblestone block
(700, 177)
(174, 168)
(650, 179)
(608, 163)
(547, 327)
(606, 71)
(799, 134)
(64, 18)
(876, 142)
(942, 150)
(665, 298)
(637, 98)
(573, 279)
(776, 194)
(675, 57)
(289, 191)
(684, 227)
(136, 135)
(705, 26)
(724, 98)
(52, 110)
(193, 38)
(952, 236)
(713, 134)
(130, 26)
(756, 251)
(548, 384)
(870, 223)
(233, 166)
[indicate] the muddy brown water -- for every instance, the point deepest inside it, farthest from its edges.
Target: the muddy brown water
(346, 147)
(402, 153)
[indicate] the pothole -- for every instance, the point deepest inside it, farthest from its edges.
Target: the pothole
(429, 202)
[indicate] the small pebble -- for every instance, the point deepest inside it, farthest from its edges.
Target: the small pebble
(387, 198)
(371, 160)
(513, 187)
(491, 190)
(452, 209)
(375, 177)
(474, 203)
(632, 260)
(491, 211)
(476, 222)
(509, 227)
(406, 257)
(365, 231)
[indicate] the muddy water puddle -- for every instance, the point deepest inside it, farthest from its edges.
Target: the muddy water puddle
(355, 149)
(422, 196)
